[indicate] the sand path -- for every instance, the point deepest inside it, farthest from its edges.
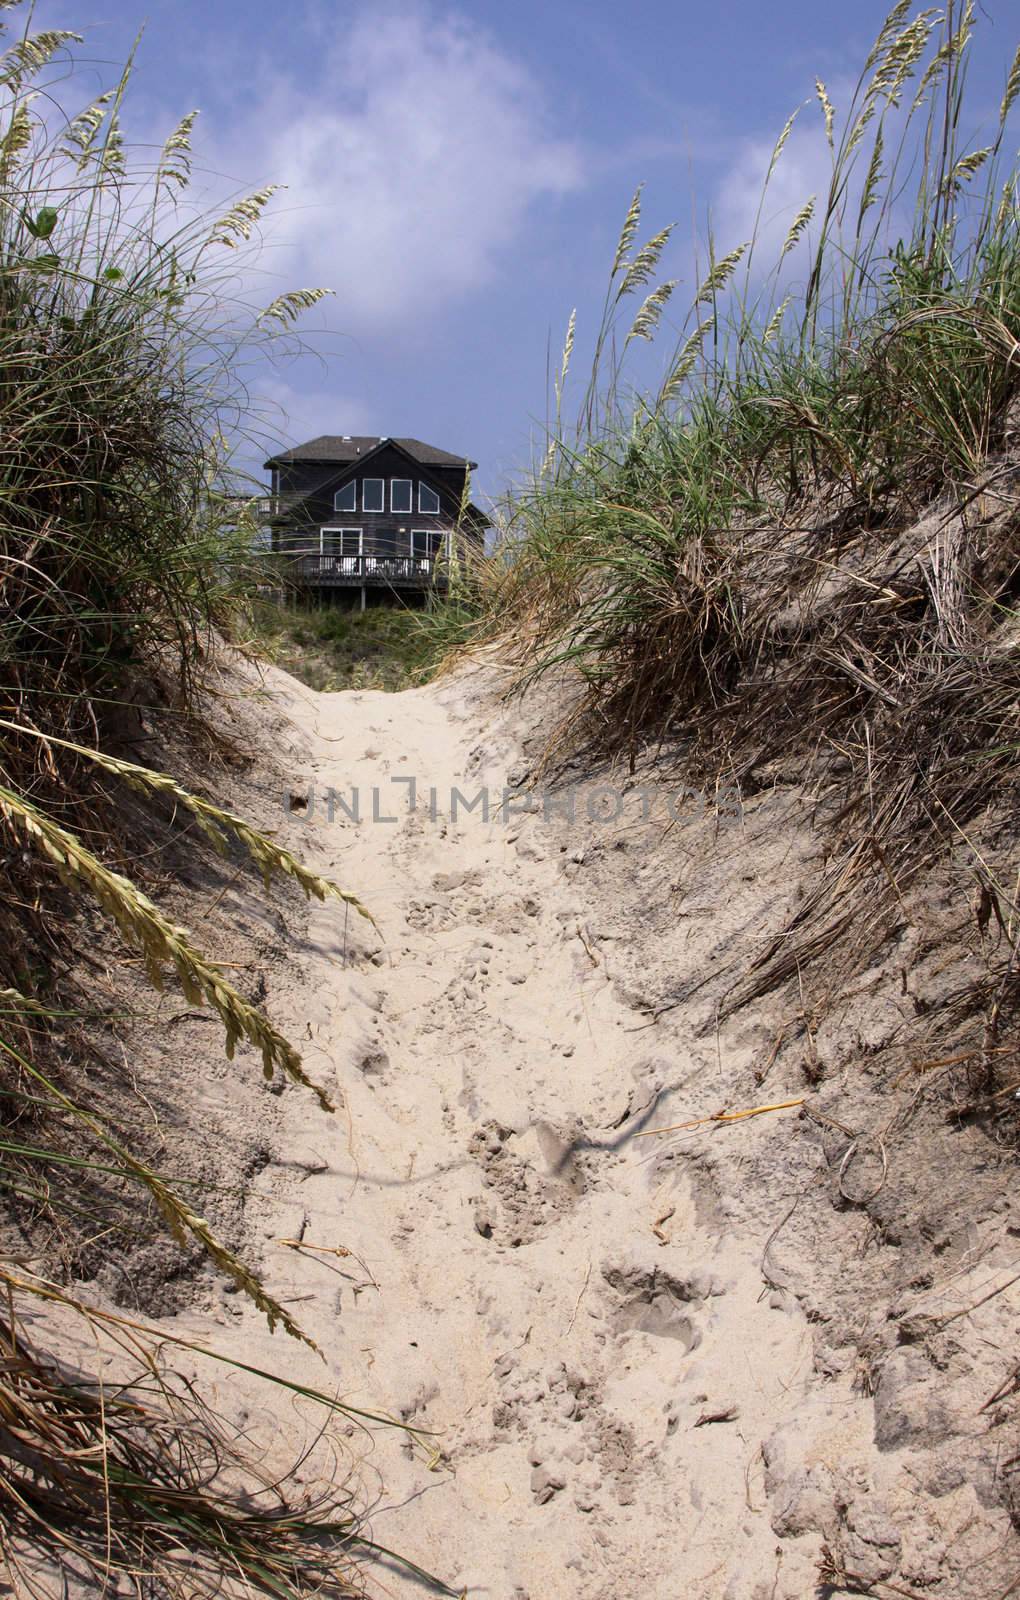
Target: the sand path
(590, 1345)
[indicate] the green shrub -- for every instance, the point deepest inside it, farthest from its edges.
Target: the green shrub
(330, 648)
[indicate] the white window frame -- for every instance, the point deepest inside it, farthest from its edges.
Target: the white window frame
(339, 555)
(428, 534)
(421, 509)
(402, 511)
(352, 484)
(374, 511)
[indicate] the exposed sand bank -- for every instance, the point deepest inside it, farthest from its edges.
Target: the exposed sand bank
(641, 1388)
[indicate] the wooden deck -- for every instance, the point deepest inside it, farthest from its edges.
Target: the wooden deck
(371, 571)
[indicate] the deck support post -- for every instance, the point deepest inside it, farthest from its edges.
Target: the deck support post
(362, 597)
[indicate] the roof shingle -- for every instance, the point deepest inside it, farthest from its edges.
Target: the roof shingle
(350, 447)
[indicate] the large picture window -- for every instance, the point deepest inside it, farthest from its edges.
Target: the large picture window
(373, 494)
(346, 499)
(425, 543)
(428, 501)
(401, 490)
(344, 546)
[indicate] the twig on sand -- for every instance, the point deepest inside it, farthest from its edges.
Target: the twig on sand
(582, 934)
(761, 1073)
(751, 1462)
(729, 1414)
(846, 1163)
(966, 1310)
(771, 1282)
(339, 1250)
(580, 1297)
(832, 1571)
(1004, 1387)
(722, 1116)
(657, 1225)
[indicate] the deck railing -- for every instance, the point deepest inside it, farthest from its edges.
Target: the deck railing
(338, 570)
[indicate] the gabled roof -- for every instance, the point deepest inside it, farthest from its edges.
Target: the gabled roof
(346, 448)
(344, 468)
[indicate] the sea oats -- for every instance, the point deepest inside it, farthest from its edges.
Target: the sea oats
(1007, 203)
(912, 45)
(859, 129)
(685, 362)
(16, 138)
(83, 130)
(111, 156)
(175, 157)
(29, 56)
(1012, 88)
(288, 307)
(160, 942)
(242, 217)
(644, 264)
(780, 143)
(827, 110)
(869, 193)
(568, 351)
(647, 319)
(720, 274)
(887, 31)
(967, 165)
(797, 226)
(217, 825)
(628, 232)
(775, 321)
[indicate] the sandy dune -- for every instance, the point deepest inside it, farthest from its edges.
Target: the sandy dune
(627, 1404)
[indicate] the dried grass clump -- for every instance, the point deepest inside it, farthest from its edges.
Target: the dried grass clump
(121, 552)
(801, 556)
(133, 1474)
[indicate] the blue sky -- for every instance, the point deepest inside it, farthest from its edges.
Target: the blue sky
(459, 173)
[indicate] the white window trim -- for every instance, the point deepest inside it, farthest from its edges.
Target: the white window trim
(359, 531)
(353, 484)
(368, 511)
(442, 534)
(402, 511)
(421, 509)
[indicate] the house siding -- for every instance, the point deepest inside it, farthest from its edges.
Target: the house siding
(383, 533)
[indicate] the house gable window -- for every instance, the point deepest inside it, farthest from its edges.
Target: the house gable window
(346, 499)
(428, 501)
(373, 494)
(401, 490)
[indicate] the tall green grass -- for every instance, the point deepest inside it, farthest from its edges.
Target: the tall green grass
(329, 647)
(122, 552)
(121, 335)
(801, 549)
(868, 366)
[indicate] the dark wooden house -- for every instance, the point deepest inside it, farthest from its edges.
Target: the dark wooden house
(373, 518)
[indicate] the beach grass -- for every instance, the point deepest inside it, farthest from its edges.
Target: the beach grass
(799, 551)
(125, 552)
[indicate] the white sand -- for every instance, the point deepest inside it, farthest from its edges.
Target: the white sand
(559, 1302)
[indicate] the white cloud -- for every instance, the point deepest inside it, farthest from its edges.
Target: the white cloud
(803, 169)
(284, 409)
(412, 153)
